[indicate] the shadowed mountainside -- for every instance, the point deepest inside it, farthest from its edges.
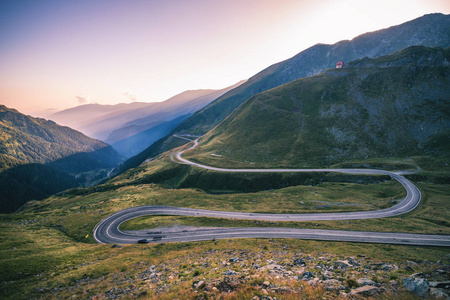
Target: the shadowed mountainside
(137, 143)
(135, 136)
(39, 158)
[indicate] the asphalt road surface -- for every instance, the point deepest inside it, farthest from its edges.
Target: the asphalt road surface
(107, 231)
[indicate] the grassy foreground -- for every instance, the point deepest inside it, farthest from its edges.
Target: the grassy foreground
(42, 262)
(47, 249)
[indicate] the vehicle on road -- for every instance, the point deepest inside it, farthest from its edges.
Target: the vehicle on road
(107, 230)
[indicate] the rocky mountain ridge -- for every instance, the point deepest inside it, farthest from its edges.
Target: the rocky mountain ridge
(431, 30)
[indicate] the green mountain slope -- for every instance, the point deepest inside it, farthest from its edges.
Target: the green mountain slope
(39, 158)
(24, 139)
(430, 30)
(393, 106)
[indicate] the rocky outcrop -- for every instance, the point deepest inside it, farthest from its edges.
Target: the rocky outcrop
(418, 286)
(263, 275)
(365, 291)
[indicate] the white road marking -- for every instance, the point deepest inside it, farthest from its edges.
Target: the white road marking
(112, 234)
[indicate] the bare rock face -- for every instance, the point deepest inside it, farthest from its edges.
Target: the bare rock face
(418, 286)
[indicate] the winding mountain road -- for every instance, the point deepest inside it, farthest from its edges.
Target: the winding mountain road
(107, 231)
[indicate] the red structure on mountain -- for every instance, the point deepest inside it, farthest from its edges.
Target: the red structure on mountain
(340, 64)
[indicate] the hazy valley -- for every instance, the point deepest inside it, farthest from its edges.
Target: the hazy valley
(130, 128)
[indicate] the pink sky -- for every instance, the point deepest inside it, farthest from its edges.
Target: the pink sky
(59, 54)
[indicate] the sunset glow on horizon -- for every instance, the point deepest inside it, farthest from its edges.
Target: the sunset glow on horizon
(60, 54)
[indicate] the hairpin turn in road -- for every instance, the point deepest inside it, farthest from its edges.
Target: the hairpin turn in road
(107, 231)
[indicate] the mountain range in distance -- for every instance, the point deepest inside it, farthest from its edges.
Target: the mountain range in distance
(130, 128)
(39, 158)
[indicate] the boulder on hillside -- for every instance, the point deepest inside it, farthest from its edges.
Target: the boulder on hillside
(366, 291)
(366, 281)
(418, 286)
(439, 293)
(299, 262)
(342, 264)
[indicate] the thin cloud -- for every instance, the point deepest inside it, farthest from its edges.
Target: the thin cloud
(83, 99)
(131, 96)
